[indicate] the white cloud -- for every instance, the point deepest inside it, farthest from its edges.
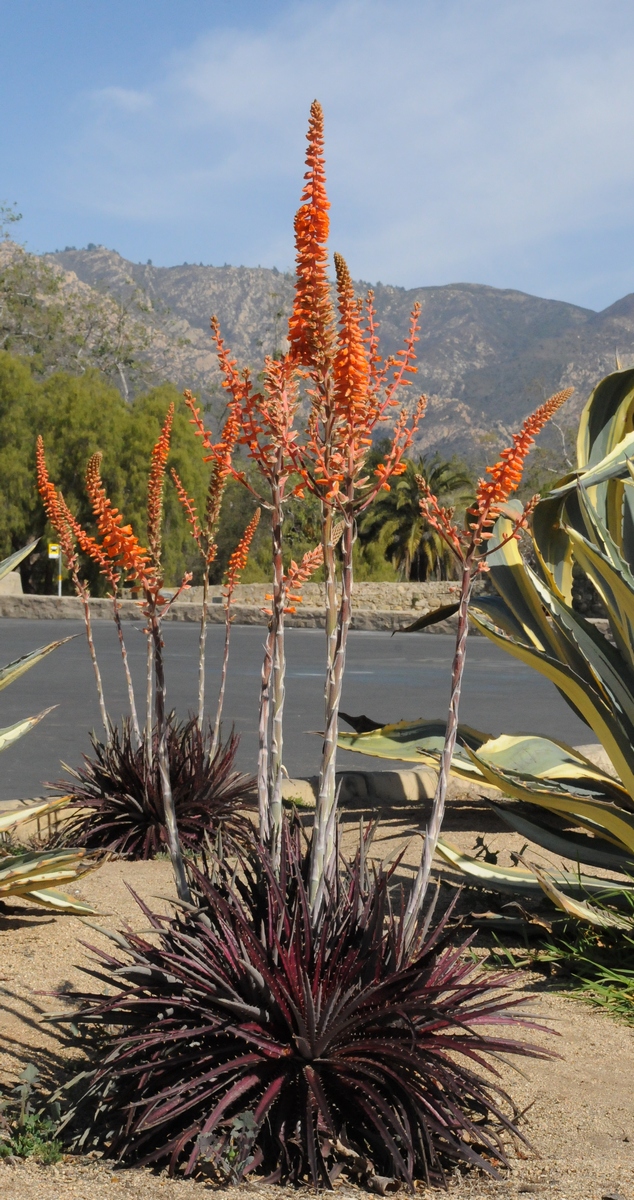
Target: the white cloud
(124, 99)
(465, 138)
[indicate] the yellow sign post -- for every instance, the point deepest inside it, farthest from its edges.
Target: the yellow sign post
(55, 551)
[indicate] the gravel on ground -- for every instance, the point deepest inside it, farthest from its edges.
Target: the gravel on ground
(578, 1109)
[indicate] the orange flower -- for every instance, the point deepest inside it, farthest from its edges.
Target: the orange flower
(238, 560)
(155, 485)
(351, 366)
(491, 494)
(310, 331)
(55, 507)
(119, 542)
(189, 508)
(507, 473)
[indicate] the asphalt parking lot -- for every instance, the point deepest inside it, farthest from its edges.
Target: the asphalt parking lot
(388, 678)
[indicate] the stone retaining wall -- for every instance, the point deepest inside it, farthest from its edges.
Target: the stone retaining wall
(306, 617)
(413, 598)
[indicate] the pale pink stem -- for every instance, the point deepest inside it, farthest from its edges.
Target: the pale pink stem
(128, 678)
(223, 677)
(279, 672)
(201, 650)
(82, 592)
(432, 833)
(264, 737)
(149, 696)
(169, 810)
(323, 846)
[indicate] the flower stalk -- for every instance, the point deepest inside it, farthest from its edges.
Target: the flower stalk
(236, 565)
(142, 567)
(204, 532)
(471, 547)
(68, 530)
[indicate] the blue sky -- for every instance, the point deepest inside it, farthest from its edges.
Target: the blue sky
(488, 141)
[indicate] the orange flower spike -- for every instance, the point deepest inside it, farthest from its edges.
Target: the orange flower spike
(196, 419)
(189, 507)
(119, 542)
(404, 362)
(238, 559)
(215, 492)
(507, 473)
(311, 326)
(351, 366)
(54, 507)
(311, 562)
(155, 486)
(378, 369)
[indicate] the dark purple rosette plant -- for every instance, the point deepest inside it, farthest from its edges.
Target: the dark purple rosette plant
(316, 1048)
(117, 795)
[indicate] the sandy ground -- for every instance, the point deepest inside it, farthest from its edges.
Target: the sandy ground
(580, 1108)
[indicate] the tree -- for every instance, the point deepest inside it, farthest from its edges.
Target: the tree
(78, 416)
(415, 549)
(62, 324)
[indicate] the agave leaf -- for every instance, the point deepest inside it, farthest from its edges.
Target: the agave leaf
(498, 612)
(594, 710)
(522, 880)
(613, 466)
(627, 526)
(580, 909)
(577, 847)
(604, 419)
(530, 601)
(13, 670)
(430, 618)
(17, 816)
(615, 586)
(361, 724)
(608, 671)
(612, 820)
(19, 867)
(540, 758)
(9, 564)
(11, 733)
(415, 741)
(553, 546)
(58, 901)
(508, 574)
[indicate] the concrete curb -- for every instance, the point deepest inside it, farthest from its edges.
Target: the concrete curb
(367, 789)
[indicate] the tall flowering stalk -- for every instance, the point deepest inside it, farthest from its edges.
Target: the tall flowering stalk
(471, 546)
(93, 550)
(204, 530)
(352, 391)
(235, 567)
(142, 568)
(264, 422)
(70, 533)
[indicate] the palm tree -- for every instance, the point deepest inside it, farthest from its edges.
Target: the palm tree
(395, 520)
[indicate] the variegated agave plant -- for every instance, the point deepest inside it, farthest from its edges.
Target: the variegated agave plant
(34, 874)
(558, 798)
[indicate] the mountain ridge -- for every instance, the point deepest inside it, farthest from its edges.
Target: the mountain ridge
(486, 356)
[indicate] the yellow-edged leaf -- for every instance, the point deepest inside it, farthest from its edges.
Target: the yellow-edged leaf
(13, 670)
(17, 816)
(580, 909)
(9, 564)
(593, 709)
(58, 901)
(13, 732)
(521, 880)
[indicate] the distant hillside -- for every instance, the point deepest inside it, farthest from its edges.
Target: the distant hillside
(486, 356)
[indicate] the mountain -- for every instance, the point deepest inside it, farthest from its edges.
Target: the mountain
(486, 356)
